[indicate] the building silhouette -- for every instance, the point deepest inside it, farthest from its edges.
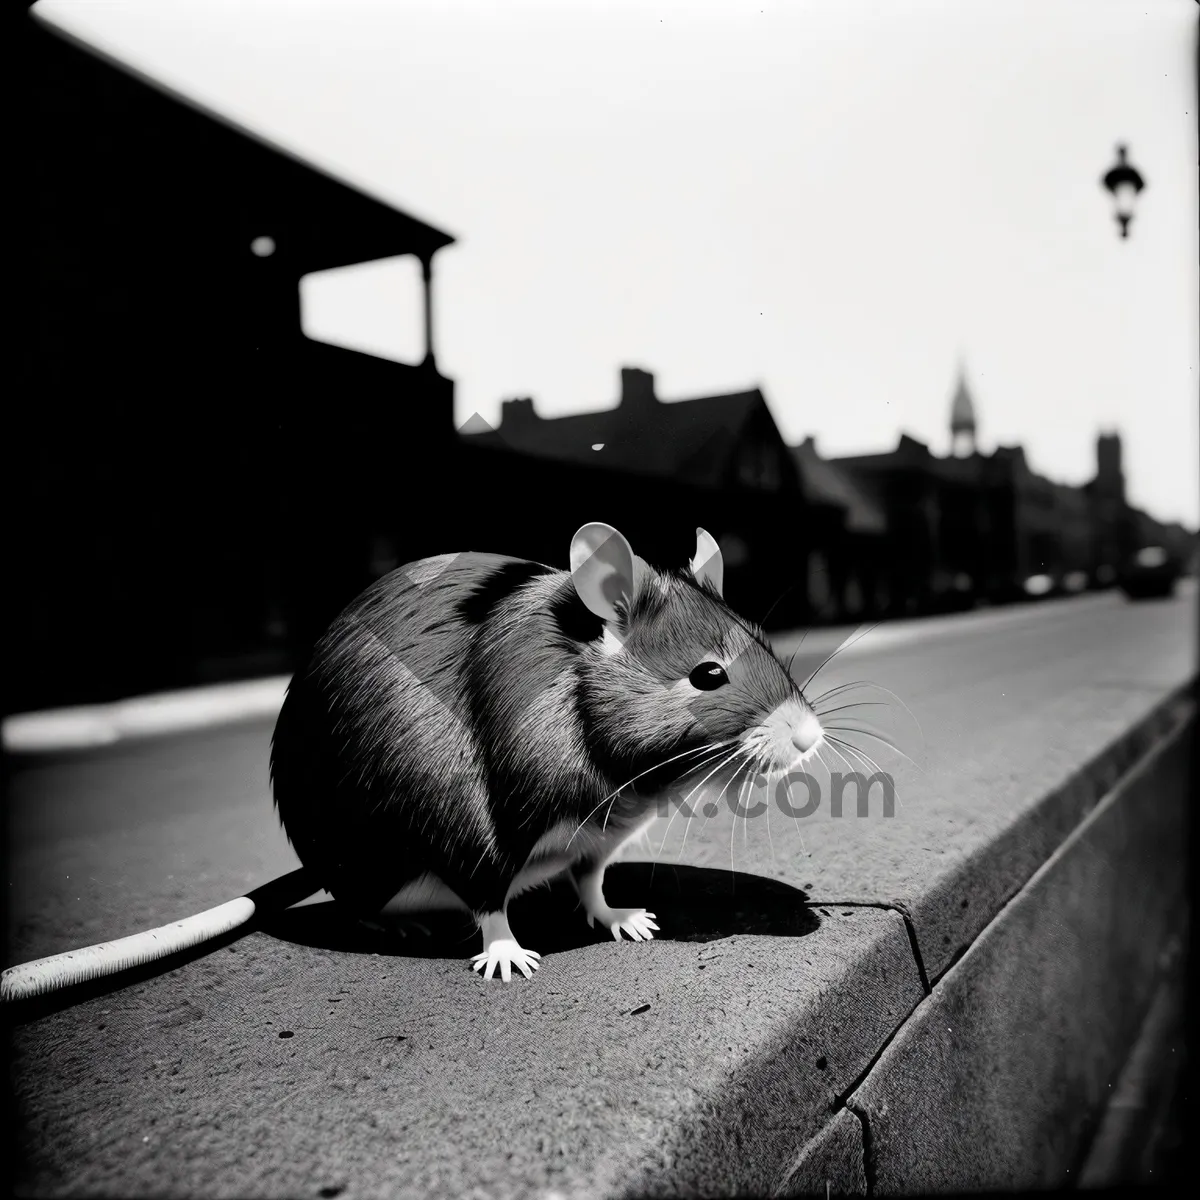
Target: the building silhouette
(197, 482)
(197, 488)
(900, 532)
(986, 526)
(852, 574)
(780, 513)
(728, 440)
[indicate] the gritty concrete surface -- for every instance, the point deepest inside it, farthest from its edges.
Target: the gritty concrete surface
(996, 1081)
(832, 1163)
(406, 1074)
(1140, 1140)
(275, 1068)
(124, 839)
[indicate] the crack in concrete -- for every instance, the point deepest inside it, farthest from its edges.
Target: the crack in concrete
(844, 1100)
(902, 911)
(1137, 746)
(868, 1159)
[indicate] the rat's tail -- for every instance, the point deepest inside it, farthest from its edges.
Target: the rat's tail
(59, 971)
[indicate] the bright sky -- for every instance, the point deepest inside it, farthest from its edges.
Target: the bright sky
(830, 199)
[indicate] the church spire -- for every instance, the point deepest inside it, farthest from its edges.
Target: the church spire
(962, 417)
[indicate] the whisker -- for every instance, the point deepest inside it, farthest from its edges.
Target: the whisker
(816, 754)
(860, 753)
(904, 706)
(771, 841)
(809, 680)
(820, 758)
(876, 736)
(698, 767)
(667, 831)
(751, 775)
(792, 657)
(688, 826)
(720, 795)
(844, 646)
(666, 834)
(733, 829)
(862, 761)
(744, 753)
(842, 687)
(790, 588)
(834, 750)
(729, 758)
(753, 771)
(867, 683)
(870, 764)
(853, 704)
(700, 750)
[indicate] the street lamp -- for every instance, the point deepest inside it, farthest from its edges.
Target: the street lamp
(1124, 182)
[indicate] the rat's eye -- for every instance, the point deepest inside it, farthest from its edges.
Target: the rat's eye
(708, 676)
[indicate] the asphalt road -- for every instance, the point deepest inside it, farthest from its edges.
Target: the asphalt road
(132, 1092)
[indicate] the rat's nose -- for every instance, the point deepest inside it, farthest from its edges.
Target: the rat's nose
(807, 733)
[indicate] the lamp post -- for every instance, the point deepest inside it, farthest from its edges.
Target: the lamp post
(1124, 182)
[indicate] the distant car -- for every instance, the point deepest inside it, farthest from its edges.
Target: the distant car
(1039, 585)
(1152, 572)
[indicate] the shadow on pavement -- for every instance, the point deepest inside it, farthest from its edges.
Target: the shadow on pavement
(691, 904)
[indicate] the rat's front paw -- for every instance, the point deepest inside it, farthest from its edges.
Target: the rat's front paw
(635, 923)
(506, 953)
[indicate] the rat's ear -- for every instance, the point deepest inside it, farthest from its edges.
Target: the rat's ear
(708, 566)
(602, 569)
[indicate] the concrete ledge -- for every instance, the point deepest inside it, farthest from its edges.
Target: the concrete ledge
(778, 1092)
(951, 913)
(996, 1081)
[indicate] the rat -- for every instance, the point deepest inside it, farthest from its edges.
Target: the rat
(474, 725)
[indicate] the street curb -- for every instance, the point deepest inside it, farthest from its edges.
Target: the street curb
(1138, 1112)
(998, 1078)
(90, 726)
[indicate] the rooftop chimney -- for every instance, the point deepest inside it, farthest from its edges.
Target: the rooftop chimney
(637, 388)
(517, 413)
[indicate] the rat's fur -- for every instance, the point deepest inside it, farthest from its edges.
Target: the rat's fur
(465, 716)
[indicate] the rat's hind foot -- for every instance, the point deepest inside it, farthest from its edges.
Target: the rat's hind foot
(636, 923)
(501, 949)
